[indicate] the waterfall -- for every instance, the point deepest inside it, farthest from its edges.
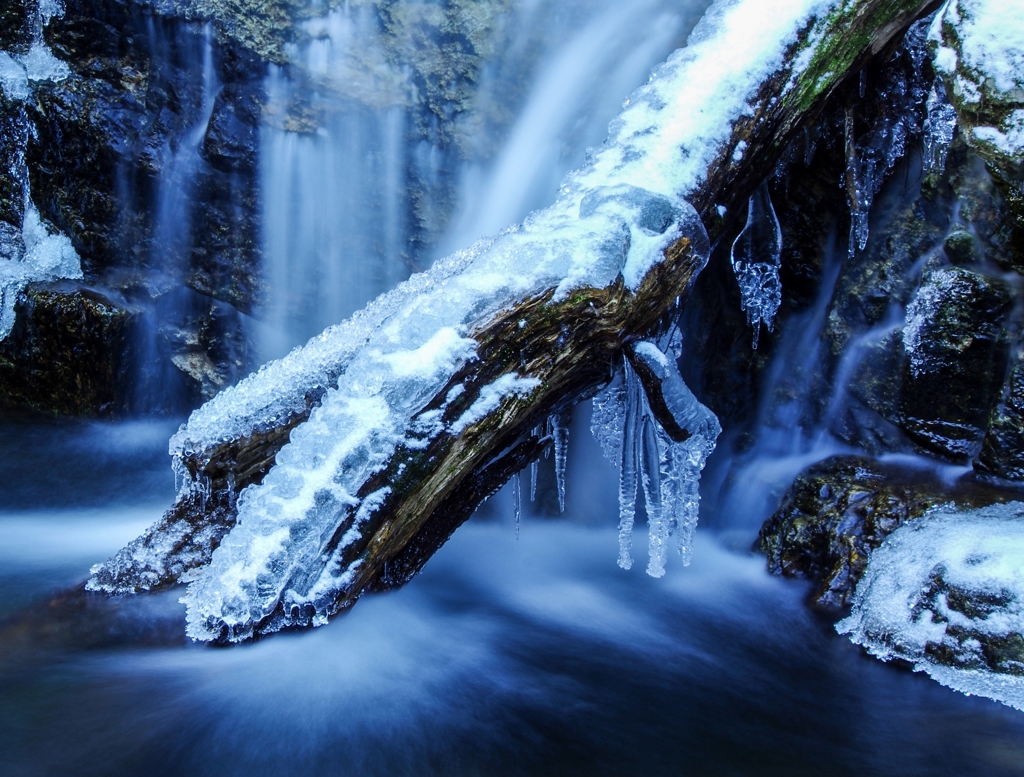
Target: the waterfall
(364, 178)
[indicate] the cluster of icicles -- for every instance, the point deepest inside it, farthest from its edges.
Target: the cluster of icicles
(908, 106)
(651, 426)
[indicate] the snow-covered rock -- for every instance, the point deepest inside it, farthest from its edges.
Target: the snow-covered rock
(946, 593)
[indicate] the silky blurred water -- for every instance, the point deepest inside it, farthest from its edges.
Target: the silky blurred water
(506, 656)
(536, 656)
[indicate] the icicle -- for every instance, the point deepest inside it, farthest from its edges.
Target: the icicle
(534, 468)
(628, 467)
(657, 527)
(560, 432)
(607, 418)
(855, 190)
(939, 128)
(756, 258)
(650, 424)
(517, 500)
(686, 435)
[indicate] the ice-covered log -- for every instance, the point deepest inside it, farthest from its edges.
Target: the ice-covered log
(344, 466)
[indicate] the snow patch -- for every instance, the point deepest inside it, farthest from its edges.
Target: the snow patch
(942, 587)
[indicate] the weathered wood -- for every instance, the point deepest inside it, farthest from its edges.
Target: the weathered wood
(570, 345)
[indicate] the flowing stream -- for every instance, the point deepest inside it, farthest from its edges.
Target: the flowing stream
(522, 649)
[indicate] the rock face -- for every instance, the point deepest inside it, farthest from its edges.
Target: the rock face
(147, 154)
(838, 511)
(955, 341)
(979, 46)
(69, 351)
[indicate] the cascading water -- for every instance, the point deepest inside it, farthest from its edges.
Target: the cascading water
(334, 192)
(363, 182)
(534, 656)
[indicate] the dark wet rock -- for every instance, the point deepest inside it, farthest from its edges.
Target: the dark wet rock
(14, 130)
(232, 135)
(83, 132)
(961, 247)
(956, 343)
(839, 510)
(69, 351)
(104, 149)
(983, 210)
(1002, 452)
(16, 25)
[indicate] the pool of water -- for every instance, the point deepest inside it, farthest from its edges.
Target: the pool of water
(533, 655)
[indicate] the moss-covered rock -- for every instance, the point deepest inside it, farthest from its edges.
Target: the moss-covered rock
(70, 351)
(839, 510)
(979, 49)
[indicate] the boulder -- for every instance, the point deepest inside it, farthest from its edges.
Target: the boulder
(70, 351)
(956, 344)
(946, 593)
(841, 509)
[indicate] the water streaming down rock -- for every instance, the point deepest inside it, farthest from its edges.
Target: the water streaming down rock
(333, 178)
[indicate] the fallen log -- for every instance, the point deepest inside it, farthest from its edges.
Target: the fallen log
(343, 467)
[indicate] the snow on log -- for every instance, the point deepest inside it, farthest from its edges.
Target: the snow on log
(342, 467)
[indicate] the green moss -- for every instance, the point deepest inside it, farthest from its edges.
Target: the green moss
(839, 40)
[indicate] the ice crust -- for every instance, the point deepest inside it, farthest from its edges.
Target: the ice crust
(37, 253)
(939, 128)
(614, 217)
(667, 471)
(940, 586)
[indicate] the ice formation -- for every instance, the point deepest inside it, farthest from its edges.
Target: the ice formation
(899, 97)
(560, 435)
(664, 458)
(946, 593)
(939, 128)
(756, 258)
(296, 545)
(36, 253)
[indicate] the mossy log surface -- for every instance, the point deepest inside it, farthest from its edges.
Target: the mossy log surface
(570, 345)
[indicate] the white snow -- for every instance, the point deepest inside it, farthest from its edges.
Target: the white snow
(990, 62)
(991, 41)
(1009, 139)
(904, 606)
(490, 399)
